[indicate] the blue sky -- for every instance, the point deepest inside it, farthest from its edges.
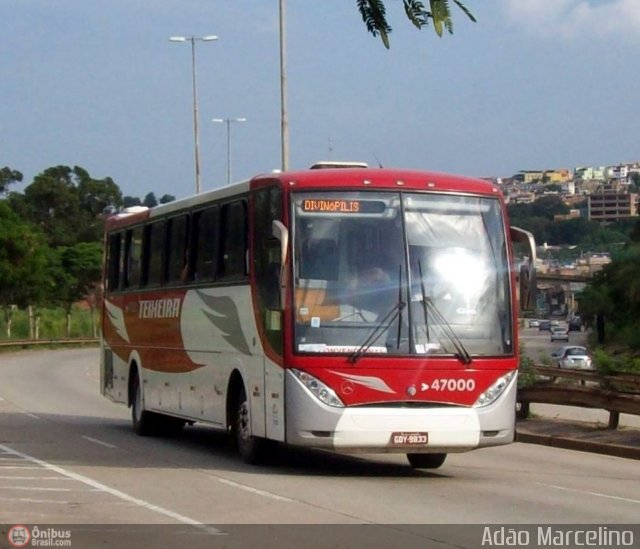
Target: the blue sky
(534, 84)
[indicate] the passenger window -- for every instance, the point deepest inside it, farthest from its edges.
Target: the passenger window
(113, 261)
(154, 253)
(233, 244)
(133, 264)
(205, 244)
(177, 258)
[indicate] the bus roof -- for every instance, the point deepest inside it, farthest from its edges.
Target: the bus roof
(379, 178)
(351, 178)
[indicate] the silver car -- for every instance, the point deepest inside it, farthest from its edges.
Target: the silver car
(573, 356)
(559, 333)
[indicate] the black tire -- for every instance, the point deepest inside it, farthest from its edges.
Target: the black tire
(144, 423)
(522, 410)
(251, 449)
(426, 461)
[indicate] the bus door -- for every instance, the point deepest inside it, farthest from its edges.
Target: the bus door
(268, 249)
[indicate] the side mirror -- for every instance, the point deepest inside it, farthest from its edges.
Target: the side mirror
(526, 275)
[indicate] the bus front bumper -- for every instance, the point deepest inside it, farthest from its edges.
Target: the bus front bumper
(437, 429)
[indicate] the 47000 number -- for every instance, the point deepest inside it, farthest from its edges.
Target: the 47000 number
(445, 384)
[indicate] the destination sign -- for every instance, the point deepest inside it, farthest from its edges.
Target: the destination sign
(322, 205)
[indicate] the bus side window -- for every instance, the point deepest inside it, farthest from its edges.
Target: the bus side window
(204, 244)
(154, 246)
(177, 260)
(133, 260)
(113, 261)
(232, 261)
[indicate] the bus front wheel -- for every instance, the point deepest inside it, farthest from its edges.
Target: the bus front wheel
(426, 461)
(250, 448)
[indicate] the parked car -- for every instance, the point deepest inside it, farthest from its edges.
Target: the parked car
(559, 333)
(534, 323)
(544, 325)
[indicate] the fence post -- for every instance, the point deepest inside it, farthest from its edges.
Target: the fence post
(614, 419)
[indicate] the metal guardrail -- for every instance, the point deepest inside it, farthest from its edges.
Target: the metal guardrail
(617, 394)
(26, 343)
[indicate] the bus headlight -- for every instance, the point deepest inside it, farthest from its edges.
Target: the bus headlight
(320, 390)
(493, 392)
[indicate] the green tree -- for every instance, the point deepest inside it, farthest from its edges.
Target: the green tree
(24, 260)
(7, 177)
(52, 203)
(166, 198)
(67, 204)
(77, 272)
(129, 201)
(374, 15)
(150, 201)
(613, 296)
(635, 233)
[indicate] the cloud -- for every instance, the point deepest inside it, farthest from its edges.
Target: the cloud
(576, 18)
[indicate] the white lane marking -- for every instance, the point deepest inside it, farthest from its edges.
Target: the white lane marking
(253, 490)
(112, 491)
(9, 477)
(18, 467)
(598, 494)
(31, 500)
(102, 443)
(29, 414)
(38, 489)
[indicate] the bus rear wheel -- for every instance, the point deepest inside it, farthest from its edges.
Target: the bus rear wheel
(144, 423)
(426, 461)
(251, 449)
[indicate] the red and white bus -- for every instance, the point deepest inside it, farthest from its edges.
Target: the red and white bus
(353, 309)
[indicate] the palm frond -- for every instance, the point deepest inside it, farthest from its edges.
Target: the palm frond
(414, 9)
(441, 15)
(373, 14)
(465, 10)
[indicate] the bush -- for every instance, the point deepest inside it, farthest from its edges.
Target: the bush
(53, 323)
(526, 376)
(611, 364)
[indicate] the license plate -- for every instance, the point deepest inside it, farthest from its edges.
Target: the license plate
(409, 439)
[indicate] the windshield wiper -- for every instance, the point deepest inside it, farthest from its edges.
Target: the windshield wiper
(383, 325)
(380, 328)
(428, 304)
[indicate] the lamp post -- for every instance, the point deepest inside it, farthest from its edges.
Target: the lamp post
(193, 40)
(227, 122)
(284, 115)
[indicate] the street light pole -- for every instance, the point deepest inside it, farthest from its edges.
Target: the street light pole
(227, 122)
(284, 116)
(196, 135)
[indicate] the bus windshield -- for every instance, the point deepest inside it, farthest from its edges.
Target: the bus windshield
(400, 273)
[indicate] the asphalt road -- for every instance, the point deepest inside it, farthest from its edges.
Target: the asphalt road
(68, 456)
